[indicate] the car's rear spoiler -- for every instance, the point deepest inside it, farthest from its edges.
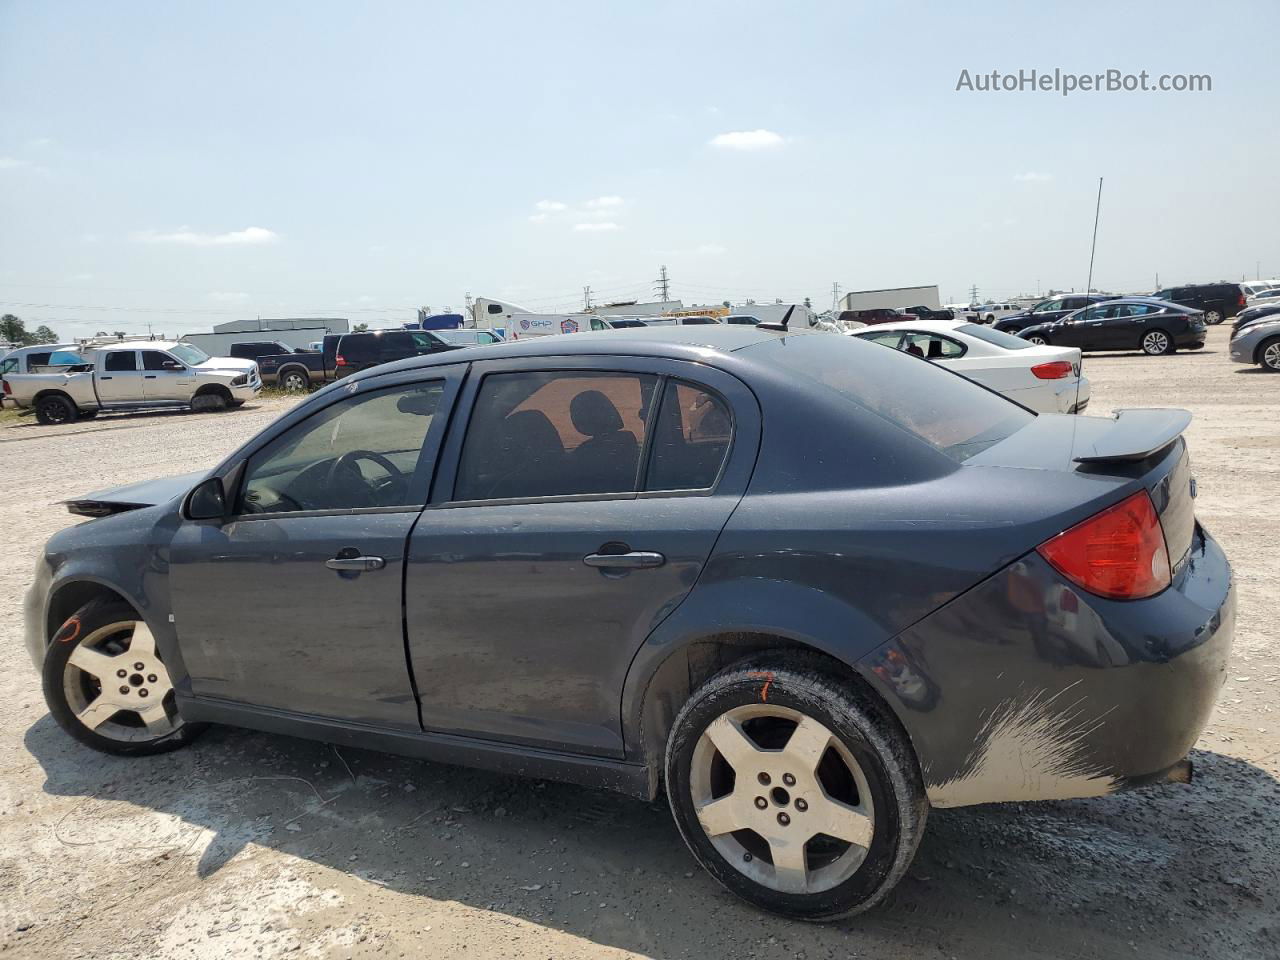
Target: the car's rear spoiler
(1134, 435)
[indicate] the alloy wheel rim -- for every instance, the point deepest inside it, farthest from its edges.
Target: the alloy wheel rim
(1271, 356)
(293, 382)
(1156, 343)
(117, 686)
(1213, 316)
(795, 816)
(1039, 340)
(56, 412)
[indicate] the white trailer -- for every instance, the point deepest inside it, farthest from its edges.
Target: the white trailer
(514, 322)
(296, 334)
(891, 298)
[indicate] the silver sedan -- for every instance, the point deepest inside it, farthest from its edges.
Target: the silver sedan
(1258, 343)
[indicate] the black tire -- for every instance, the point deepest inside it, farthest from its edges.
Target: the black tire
(56, 410)
(1156, 343)
(294, 380)
(861, 729)
(1269, 355)
(1038, 338)
(1213, 317)
(124, 736)
(87, 414)
(235, 404)
(212, 401)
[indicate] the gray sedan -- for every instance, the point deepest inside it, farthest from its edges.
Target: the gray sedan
(1258, 342)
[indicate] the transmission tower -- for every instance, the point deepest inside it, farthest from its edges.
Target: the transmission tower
(973, 294)
(663, 284)
(835, 296)
(586, 297)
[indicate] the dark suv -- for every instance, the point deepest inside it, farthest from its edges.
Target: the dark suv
(349, 352)
(1217, 301)
(1047, 311)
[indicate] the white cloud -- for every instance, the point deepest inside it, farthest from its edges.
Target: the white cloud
(228, 297)
(550, 206)
(11, 163)
(604, 203)
(748, 140)
(1030, 177)
(249, 236)
(537, 217)
(596, 227)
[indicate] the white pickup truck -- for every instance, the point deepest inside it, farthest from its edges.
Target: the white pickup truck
(133, 376)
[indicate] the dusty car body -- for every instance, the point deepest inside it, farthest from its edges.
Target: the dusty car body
(886, 577)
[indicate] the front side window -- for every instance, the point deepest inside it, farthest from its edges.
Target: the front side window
(119, 361)
(555, 434)
(155, 360)
(1048, 306)
(360, 452)
(691, 439)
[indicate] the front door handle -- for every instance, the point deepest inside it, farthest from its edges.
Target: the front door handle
(636, 559)
(356, 564)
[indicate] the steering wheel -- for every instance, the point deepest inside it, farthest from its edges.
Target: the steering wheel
(347, 463)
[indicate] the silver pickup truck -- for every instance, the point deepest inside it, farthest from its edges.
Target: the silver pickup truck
(132, 376)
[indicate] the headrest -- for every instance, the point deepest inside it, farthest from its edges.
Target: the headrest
(594, 414)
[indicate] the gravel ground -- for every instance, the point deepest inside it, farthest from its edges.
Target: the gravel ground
(254, 845)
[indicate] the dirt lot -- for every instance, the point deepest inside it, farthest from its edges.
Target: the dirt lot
(253, 845)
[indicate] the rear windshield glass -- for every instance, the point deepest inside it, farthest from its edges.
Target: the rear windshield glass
(951, 414)
(993, 336)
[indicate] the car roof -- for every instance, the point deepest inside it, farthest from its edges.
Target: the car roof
(695, 342)
(927, 326)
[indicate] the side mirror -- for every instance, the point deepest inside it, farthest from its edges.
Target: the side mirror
(208, 501)
(173, 365)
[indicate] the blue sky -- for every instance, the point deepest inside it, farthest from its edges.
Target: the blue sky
(183, 163)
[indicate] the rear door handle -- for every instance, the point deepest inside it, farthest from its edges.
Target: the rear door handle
(636, 559)
(357, 564)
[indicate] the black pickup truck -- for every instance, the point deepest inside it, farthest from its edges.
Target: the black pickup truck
(343, 354)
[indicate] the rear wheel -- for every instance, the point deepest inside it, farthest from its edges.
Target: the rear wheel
(106, 685)
(53, 411)
(1213, 317)
(1269, 355)
(795, 793)
(1156, 342)
(1038, 338)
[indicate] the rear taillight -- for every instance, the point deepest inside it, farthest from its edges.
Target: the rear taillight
(1241, 301)
(1053, 370)
(8, 390)
(1119, 553)
(339, 361)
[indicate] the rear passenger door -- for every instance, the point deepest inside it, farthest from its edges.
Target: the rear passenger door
(118, 380)
(577, 505)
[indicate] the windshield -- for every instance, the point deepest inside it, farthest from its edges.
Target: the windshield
(191, 356)
(952, 414)
(994, 337)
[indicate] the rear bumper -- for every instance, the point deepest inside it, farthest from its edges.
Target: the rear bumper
(1026, 688)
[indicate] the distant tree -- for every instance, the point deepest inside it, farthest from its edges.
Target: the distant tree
(360, 328)
(43, 335)
(12, 329)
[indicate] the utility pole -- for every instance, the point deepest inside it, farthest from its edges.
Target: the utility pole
(835, 296)
(1088, 287)
(663, 284)
(586, 297)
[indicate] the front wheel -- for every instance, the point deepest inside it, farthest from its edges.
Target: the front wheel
(1213, 317)
(1156, 342)
(1269, 355)
(1038, 339)
(106, 685)
(797, 794)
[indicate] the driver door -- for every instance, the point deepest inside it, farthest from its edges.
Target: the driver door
(294, 602)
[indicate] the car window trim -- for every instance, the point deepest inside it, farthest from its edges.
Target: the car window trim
(233, 470)
(449, 459)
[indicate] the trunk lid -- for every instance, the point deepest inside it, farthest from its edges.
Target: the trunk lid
(1145, 446)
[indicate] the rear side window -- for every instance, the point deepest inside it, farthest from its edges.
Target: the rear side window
(954, 415)
(555, 434)
(37, 359)
(121, 360)
(994, 337)
(691, 439)
(358, 347)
